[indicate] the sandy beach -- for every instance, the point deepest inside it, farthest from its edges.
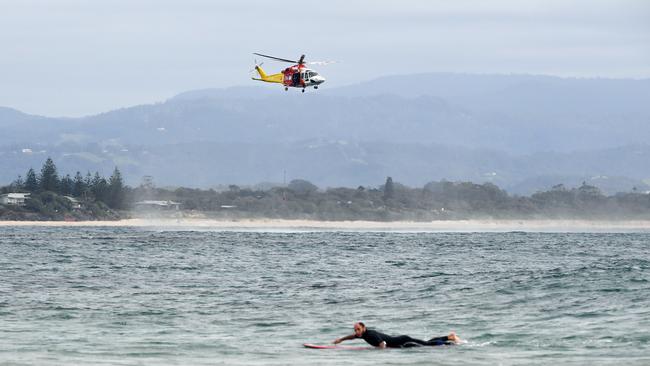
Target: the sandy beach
(310, 225)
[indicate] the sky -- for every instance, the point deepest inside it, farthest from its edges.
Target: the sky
(78, 57)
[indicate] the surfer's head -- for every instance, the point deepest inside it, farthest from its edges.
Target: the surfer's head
(359, 329)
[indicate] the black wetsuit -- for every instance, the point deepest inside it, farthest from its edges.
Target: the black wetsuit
(374, 338)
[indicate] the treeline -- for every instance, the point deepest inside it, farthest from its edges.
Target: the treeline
(443, 200)
(90, 187)
(393, 201)
(52, 197)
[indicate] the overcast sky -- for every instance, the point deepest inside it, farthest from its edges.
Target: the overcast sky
(79, 57)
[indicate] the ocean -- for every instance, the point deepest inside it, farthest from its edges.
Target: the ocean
(133, 296)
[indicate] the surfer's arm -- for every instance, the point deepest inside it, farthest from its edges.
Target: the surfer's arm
(346, 338)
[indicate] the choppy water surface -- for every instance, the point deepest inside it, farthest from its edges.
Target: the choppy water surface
(128, 296)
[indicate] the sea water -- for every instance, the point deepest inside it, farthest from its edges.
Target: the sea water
(132, 296)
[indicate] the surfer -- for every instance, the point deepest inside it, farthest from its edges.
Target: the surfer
(382, 340)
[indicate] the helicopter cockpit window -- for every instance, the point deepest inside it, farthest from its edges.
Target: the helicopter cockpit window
(314, 74)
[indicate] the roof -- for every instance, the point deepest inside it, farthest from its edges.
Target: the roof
(16, 195)
(157, 203)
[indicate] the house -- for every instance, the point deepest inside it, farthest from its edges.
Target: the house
(14, 199)
(159, 205)
(75, 202)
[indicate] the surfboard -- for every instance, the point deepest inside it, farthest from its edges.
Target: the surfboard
(331, 346)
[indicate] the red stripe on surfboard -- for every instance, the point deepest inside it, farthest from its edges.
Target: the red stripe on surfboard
(316, 346)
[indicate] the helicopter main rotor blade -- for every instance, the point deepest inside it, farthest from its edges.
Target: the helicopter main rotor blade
(320, 63)
(276, 58)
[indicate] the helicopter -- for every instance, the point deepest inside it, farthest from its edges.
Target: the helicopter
(296, 76)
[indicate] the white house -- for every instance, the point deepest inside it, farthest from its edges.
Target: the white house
(161, 205)
(75, 202)
(14, 199)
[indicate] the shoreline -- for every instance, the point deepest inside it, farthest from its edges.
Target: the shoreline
(313, 225)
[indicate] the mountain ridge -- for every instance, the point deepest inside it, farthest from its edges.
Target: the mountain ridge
(522, 117)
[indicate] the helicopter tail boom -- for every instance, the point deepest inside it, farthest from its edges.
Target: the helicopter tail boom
(274, 78)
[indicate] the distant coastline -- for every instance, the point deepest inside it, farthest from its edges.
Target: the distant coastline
(313, 225)
(73, 198)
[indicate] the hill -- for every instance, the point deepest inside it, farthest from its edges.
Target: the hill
(519, 131)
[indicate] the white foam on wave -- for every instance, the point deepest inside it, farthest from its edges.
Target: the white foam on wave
(291, 226)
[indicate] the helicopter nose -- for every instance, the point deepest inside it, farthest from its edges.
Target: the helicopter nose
(318, 79)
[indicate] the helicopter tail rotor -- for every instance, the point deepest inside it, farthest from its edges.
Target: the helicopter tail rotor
(256, 66)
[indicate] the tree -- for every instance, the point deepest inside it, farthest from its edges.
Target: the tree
(559, 187)
(31, 183)
(115, 190)
(100, 188)
(302, 187)
(389, 188)
(67, 185)
(49, 176)
(586, 190)
(19, 184)
(79, 186)
(88, 181)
